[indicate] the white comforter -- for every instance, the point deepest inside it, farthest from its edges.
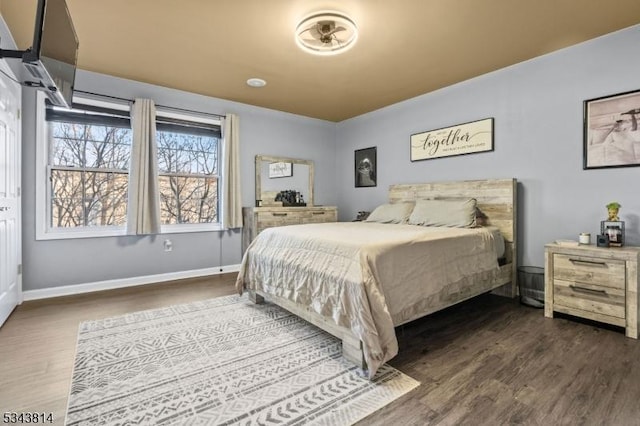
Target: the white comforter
(367, 276)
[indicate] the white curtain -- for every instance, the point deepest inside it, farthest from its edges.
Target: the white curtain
(143, 210)
(232, 194)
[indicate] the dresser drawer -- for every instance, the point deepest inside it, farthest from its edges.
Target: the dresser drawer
(270, 219)
(320, 216)
(589, 270)
(257, 219)
(598, 299)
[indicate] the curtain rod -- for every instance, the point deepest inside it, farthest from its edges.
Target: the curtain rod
(159, 106)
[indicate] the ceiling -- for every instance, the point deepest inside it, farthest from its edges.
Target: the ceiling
(405, 47)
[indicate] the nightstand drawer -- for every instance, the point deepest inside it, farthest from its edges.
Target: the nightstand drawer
(589, 270)
(589, 297)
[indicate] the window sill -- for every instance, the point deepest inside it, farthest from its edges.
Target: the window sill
(186, 228)
(121, 232)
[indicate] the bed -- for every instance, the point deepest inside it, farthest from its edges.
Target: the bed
(360, 280)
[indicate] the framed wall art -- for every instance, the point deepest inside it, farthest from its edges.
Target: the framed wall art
(466, 138)
(611, 133)
(614, 230)
(365, 167)
(280, 169)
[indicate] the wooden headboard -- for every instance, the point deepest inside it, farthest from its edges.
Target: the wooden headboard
(496, 199)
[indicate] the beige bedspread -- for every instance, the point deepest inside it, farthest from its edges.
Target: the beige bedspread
(368, 276)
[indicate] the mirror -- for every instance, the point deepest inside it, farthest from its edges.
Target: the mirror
(275, 174)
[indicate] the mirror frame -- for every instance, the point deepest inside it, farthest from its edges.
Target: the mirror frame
(272, 159)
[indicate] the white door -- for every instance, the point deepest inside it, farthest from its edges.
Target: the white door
(10, 225)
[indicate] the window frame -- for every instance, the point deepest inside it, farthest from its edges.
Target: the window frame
(44, 230)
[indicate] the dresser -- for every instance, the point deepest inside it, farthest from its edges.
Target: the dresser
(257, 219)
(598, 283)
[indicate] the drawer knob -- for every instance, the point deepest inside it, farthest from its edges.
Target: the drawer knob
(588, 290)
(317, 212)
(279, 214)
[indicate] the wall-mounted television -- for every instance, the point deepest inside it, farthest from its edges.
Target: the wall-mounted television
(51, 61)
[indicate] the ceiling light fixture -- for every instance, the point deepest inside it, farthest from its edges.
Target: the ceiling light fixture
(256, 82)
(326, 33)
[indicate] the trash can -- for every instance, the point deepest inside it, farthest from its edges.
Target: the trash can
(531, 286)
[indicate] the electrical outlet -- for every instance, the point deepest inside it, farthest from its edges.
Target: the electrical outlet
(168, 245)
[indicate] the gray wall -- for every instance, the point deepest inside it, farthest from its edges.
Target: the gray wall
(538, 111)
(54, 263)
(7, 42)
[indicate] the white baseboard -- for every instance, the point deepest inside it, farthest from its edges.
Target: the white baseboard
(69, 290)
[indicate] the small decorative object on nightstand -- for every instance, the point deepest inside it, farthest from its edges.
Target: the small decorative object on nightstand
(614, 230)
(598, 283)
(612, 210)
(613, 227)
(584, 238)
(361, 216)
(602, 241)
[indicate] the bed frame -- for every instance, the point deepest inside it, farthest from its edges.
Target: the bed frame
(496, 200)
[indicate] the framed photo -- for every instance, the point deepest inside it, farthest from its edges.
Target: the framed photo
(365, 167)
(465, 138)
(611, 132)
(614, 230)
(280, 169)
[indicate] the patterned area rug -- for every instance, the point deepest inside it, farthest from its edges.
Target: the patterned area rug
(217, 362)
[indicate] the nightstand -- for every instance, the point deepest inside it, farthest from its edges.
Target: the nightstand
(598, 283)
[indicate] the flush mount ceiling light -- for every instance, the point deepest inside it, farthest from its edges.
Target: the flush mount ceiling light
(326, 33)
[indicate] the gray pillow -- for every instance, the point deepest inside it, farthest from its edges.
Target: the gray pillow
(391, 213)
(455, 213)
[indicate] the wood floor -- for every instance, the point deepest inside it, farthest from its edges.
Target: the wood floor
(486, 361)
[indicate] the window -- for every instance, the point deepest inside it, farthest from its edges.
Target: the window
(188, 169)
(85, 163)
(87, 166)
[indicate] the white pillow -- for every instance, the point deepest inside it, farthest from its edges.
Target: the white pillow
(391, 213)
(452, 213)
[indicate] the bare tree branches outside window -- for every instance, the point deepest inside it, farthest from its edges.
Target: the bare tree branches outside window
(89, 167)
(188, 169)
